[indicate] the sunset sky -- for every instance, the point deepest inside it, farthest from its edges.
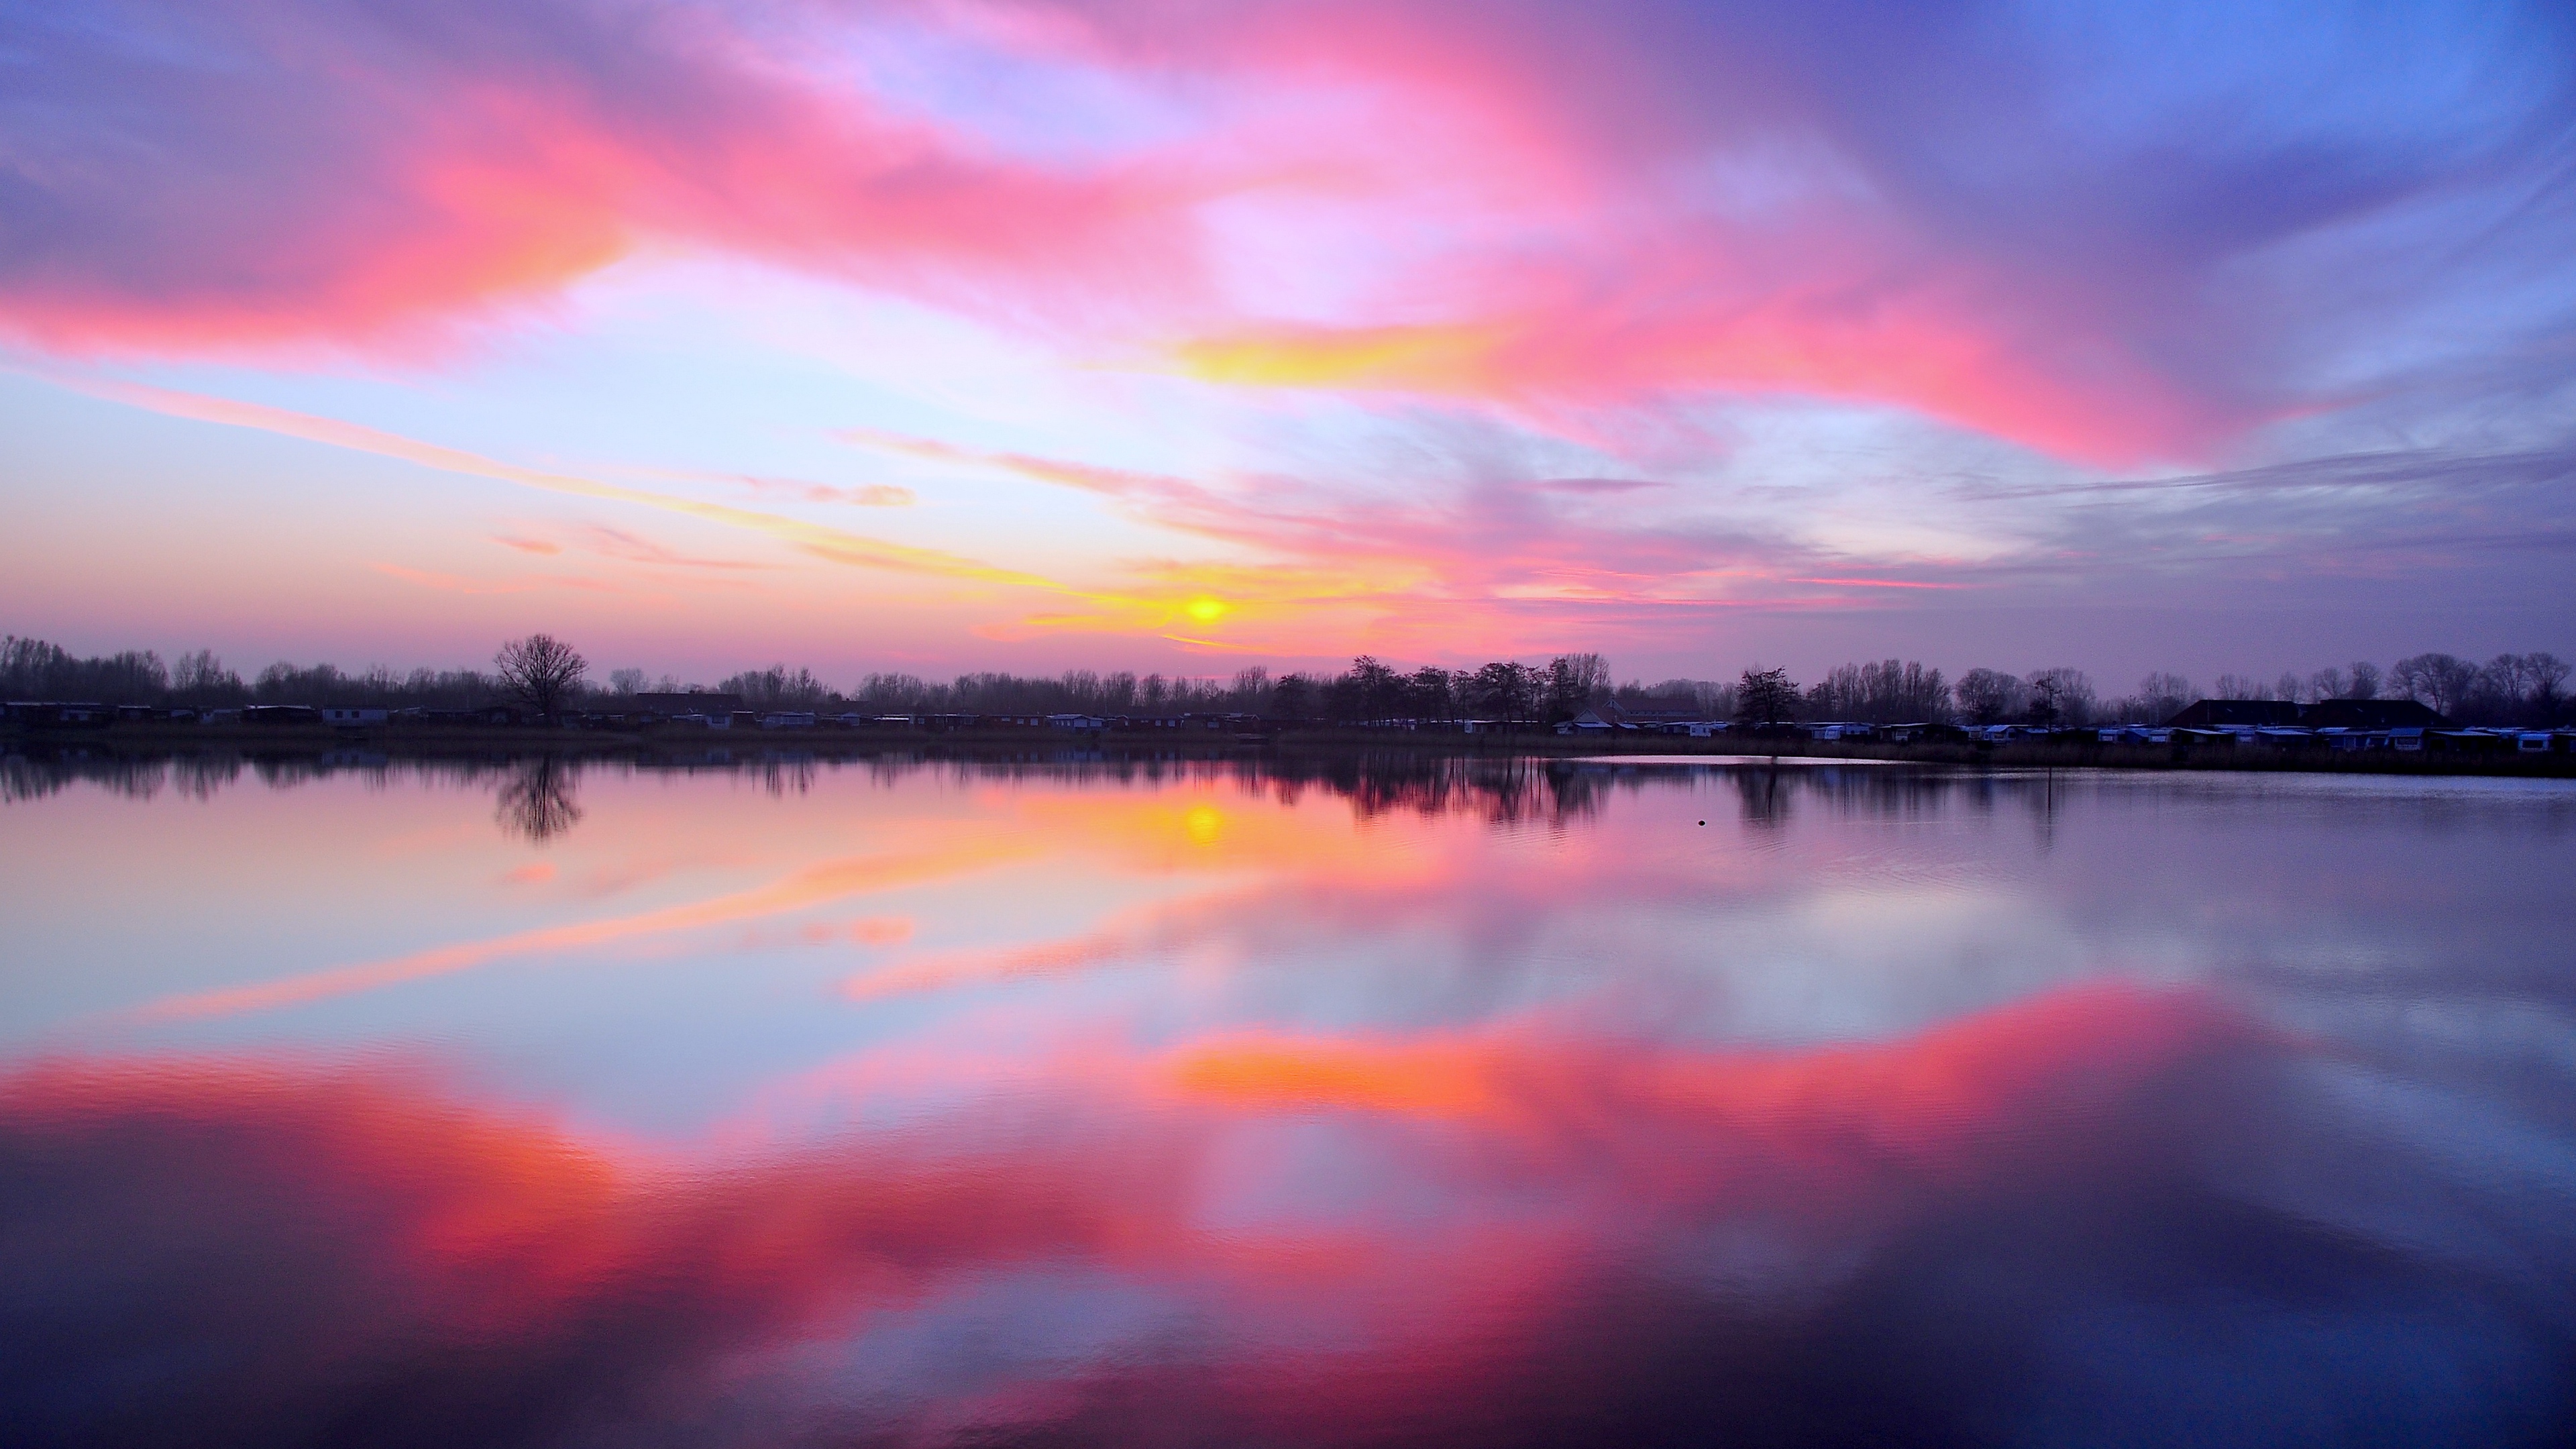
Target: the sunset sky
(1180, 336)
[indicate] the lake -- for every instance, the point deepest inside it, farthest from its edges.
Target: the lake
(1493, 1102)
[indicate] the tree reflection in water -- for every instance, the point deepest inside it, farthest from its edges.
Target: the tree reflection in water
(536, 803)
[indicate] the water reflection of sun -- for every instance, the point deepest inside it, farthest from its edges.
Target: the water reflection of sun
(1203, 823)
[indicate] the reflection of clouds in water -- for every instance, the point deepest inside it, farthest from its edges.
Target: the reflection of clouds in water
(1664, 950)
(2099, 1208)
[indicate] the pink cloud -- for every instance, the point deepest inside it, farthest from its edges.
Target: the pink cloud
(343, 176)
(1626, 208)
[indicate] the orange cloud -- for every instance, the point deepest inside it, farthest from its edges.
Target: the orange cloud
(1921, 1095)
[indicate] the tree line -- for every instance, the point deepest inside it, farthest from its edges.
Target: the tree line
(2523, 689)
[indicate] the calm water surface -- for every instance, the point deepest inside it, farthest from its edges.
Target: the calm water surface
(1503, 1104)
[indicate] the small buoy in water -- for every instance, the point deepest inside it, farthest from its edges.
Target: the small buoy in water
(1703, 822)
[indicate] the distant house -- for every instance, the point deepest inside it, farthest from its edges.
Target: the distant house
(2325, 714)
(698, 702)
(2219, 714)
(281, 714)
(57, 713)
(1091, 722)
(2371, 714)
(353, 716)
(1652, 719)
(787, 719)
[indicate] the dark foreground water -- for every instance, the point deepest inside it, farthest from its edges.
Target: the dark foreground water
(811, 1104)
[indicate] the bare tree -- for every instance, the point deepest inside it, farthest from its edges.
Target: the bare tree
(2240, 686)
(2162, 695)
(2060, 696)
(1765, 697)
(1988, 695)
(541, 671)
(201, 678)
(2440, 680)
(1501, 690)
(2365, 681)
(1575, 681)
(1251, 687)
(2548, 685)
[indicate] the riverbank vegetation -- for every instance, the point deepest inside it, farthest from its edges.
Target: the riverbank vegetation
(2527, 689)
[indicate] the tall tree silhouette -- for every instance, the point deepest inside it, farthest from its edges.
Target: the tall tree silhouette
(1765, 697)
(541, 671)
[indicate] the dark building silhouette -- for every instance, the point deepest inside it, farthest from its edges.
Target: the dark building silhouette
(707, 702)
(2325, 714)
(2210, 714)
(2371, 714)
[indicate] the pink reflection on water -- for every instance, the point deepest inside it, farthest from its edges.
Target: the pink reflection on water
(358, 1242)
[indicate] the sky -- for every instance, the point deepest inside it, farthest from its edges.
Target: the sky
(938, 335)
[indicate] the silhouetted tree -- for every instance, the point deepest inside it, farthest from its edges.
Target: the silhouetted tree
(201, 678)
(1369, 691)
(2439, 680)
(1429, 694)
(2240, 686)
(1291, 698)
(776, 687)
(540, 671)
(2548, 686)
(1573, 682)
(1887, 693)
(1766, 697)
(1989, 696)
(36, 669)
(1501, 690)
(2161, 696)
(2060, 696)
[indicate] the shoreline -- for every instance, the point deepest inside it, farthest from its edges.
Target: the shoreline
(1023, 745)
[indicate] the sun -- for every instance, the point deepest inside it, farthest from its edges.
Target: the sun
(1206, 610)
